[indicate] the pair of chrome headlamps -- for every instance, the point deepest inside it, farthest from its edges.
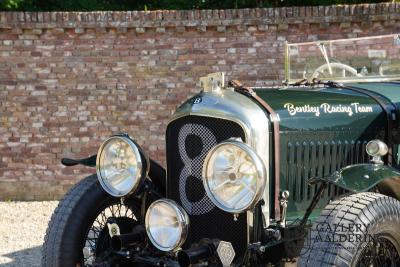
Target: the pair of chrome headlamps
(234, 178)
(121, 168)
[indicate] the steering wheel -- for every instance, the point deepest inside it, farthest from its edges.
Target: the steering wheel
(323, 70)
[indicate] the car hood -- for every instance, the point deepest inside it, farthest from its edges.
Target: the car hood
(324, 109)
(390, 90)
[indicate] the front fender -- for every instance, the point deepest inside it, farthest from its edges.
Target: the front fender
(362, 177)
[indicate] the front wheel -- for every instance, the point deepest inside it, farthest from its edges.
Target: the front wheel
(78, 235)
(360, 230)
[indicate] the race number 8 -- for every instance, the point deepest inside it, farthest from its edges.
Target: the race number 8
(193, 166)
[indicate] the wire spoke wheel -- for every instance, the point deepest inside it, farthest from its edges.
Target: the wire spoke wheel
(78, 234)
(379, 252)
(97, 248)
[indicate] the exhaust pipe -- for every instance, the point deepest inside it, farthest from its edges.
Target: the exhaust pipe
(119, 242)
(194, 255)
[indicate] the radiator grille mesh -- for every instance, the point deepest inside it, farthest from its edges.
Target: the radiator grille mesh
(188, 141)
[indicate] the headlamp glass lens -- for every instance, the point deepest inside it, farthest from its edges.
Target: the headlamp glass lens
(166, 224)
(373, 148)
(119, 166)
(233, 177)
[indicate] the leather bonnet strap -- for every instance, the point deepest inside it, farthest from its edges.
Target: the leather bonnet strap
(275, 120)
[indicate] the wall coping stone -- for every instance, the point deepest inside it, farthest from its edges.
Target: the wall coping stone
(194, 18)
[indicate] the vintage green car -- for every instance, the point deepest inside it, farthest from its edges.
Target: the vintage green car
(305, 173)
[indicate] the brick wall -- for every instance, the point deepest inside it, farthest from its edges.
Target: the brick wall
(69, 80)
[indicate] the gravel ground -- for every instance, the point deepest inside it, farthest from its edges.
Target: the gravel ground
(22, 228)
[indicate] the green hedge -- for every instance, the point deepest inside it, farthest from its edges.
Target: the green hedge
(115, 5)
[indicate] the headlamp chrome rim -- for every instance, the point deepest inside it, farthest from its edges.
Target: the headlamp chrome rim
(143, 165)
(260, 169)
(183, 221)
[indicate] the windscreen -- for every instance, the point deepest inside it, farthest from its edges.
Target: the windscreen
(366, 59)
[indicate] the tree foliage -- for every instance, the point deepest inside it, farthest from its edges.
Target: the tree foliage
(122, 5)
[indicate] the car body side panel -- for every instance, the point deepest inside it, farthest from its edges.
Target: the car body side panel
(362, 177)
(321, 131)
(391, 90)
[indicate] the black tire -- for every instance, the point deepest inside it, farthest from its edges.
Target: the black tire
(349, 226)
(69, 224)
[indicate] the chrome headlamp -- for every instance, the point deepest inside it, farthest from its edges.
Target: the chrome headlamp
(120, 165)
(376, 149)
(167, 224)
(234, 176)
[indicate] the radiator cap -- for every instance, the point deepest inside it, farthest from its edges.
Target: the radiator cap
(213, 82)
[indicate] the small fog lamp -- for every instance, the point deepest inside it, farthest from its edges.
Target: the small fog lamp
(376, 149)
(167, 224)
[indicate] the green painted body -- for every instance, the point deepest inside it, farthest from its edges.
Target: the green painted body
(327, 132)
(389, 90)
(362, 177)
